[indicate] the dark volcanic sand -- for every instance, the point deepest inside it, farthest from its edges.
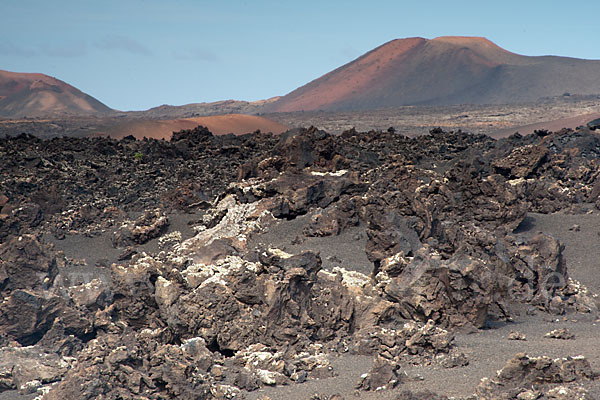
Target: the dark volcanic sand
(100, 251)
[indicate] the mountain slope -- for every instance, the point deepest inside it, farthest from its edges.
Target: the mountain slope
(440, 71)
(39, 95)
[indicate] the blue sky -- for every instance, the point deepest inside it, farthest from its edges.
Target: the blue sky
(137, 54)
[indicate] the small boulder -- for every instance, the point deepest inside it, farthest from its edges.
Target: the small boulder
(562, 333)
(385, 374)
(150, 225)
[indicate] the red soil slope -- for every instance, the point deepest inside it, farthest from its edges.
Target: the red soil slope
(553, 125)
(218, 125)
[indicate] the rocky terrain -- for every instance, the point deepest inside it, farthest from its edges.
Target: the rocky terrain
(303, 266)
(500, 120)
(553, 113)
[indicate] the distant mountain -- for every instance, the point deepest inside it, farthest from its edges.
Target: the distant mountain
(204, 109)
(39, 95)
(441, 71)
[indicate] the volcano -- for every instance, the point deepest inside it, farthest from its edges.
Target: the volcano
(442, 71)
(39, 95)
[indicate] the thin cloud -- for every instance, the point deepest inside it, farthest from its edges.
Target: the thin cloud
(117, 42)
(69, 51)
(10, 49)
(197, 54)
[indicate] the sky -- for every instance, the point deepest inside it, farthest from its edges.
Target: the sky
(138, 54)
